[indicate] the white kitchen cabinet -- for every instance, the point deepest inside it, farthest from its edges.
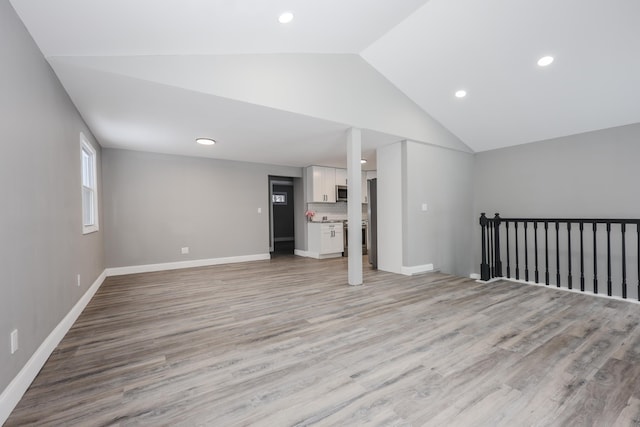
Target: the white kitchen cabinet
(341, 177)
(321, 184)
(325, 239)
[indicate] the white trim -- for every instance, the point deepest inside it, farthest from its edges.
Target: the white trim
(416, 269)
(316, 255)
(148, 268)
(474, 276)
(21, 382)
(85, 145)
(495, 279)
(554, 287)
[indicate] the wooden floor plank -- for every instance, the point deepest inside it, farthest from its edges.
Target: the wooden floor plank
(289, 342)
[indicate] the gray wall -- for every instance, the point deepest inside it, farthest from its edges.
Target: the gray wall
(43, 248)
(442, 179)
(594, 174)
(299, 196)
(155, 204)
(410, 174)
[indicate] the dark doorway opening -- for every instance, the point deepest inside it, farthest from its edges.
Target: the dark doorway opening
(282, 215)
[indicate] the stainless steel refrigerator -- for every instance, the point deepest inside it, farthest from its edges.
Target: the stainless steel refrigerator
(372, 212)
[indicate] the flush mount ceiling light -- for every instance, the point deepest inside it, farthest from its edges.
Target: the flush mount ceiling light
(205, 141)
(461, 93)
(545, 60)
(285, 17)
(363, 161)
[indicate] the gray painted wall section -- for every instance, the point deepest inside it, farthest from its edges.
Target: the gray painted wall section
(390, 216)
(300, 222)
(442, 179)
(594, 174)
(155, 204)
(43, 248)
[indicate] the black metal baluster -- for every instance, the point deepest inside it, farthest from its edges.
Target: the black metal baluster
(546, 253)
(535, 244)
(557, 254)
(492, 266)
(582, 258)
(623, 229)
(508, 262)
(526, 254)
(515, 225)
(609, 259)
(569, 278)
(595, 259)
(484, 267)
(497, 259)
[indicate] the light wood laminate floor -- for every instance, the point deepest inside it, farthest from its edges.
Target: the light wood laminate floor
(288, 342)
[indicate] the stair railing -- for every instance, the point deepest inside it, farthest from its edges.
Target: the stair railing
(589, 246)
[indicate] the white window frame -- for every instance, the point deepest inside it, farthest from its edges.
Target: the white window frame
(88, 185)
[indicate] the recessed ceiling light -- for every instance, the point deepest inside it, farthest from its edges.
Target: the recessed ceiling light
(363, 161)
(461, 93)
(205, 141)
(285, 17)
(545, 60)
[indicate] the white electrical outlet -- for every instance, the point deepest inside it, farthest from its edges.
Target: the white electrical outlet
(78, 280)
(424, 207)
(259, 210)
(185, 250)
(14, 341)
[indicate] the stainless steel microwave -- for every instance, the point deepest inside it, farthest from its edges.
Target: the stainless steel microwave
(341, 193)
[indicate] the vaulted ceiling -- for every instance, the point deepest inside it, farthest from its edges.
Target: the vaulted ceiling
(153, 76)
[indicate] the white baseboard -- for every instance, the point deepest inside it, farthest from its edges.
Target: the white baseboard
(148, 268)
(474, 276)
(416, 269)
(316, 255)
(575, 291)
(19, 385)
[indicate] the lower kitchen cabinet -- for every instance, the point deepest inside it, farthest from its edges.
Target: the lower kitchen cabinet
(325, 239)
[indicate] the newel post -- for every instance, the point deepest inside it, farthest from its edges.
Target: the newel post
(484, 266)
(496, 258)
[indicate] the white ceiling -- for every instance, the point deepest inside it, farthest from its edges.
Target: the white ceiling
(426, 49)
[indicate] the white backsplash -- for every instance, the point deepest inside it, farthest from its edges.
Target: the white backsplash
(332, 211)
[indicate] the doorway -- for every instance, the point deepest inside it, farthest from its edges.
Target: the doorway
(282, 228)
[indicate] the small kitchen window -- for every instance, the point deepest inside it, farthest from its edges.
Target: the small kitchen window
(279, 198)
(88, 160)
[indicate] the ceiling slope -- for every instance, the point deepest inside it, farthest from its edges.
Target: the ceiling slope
(490, 49)
(129, 113)
(416, 53)
(211, 27)
(335, 88)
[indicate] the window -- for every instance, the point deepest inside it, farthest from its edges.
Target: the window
(279, 198)
(89, 187)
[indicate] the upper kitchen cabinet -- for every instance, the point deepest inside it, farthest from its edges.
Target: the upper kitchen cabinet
(321, 184)
(341, 177)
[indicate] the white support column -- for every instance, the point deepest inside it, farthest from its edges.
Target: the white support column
(354, 204)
